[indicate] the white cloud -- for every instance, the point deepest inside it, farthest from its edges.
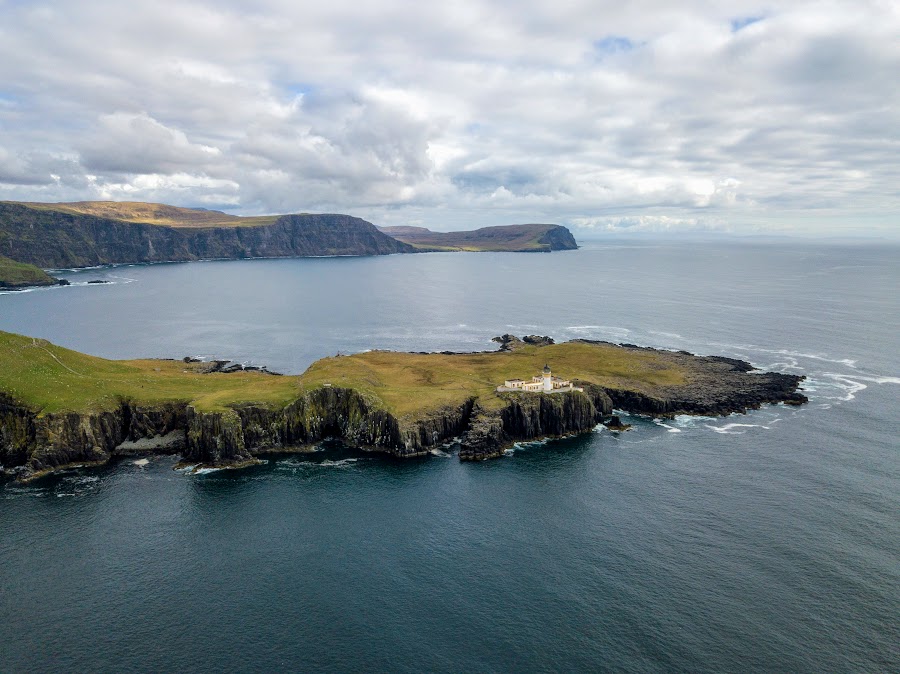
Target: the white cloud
(138, 144)
(684, 115)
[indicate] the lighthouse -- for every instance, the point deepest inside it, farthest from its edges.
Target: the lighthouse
(548, 380)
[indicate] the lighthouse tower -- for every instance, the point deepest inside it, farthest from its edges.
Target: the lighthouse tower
(548, 380)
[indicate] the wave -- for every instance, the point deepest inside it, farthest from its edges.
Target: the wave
(848, 362)
(205, 470)
(614, 331)
(728, 429)
(673, 335)
(670, 429)
(294, 464)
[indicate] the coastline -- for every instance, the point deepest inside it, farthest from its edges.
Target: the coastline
(328, 403)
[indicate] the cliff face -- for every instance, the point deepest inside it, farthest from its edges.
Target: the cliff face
(55, 239)
(529, 416)
(31, 444)
(559, 238)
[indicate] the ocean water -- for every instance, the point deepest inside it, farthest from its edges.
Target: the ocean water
(754, 543)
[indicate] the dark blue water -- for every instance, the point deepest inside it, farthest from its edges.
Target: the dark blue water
(765, 542)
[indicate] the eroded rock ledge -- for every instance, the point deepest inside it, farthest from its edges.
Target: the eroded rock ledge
(33, 443)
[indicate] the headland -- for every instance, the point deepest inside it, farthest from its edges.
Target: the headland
(59, 407)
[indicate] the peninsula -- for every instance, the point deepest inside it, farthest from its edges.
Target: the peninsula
(17, 275)
(507, 238)
(91, 233)
(59, 407)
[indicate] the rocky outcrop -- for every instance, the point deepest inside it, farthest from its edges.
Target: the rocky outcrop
(57, 239)
(716, 386)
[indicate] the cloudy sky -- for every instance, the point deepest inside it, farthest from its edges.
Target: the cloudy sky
(741, 116)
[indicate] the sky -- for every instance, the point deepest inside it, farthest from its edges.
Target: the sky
(608, 117)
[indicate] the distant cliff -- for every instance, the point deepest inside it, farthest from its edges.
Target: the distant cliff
(509, 238)
(52, 238)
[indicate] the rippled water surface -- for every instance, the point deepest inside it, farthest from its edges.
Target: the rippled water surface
(763, 542)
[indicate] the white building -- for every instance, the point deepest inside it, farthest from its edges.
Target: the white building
(544, 382)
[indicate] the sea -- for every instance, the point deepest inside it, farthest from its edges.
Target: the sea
(764, 542)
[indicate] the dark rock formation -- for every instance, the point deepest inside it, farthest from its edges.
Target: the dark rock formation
(507, 342)
(530, 416)
(718, 386)
(56, 239)
(538, 340)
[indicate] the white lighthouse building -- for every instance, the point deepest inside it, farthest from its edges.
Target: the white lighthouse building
(542, 383)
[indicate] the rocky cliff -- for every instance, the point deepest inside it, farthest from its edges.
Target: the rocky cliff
(527, 416)
(32, 444)
(59, 239)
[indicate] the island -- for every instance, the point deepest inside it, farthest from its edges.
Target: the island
(505, 238)
(60, 408)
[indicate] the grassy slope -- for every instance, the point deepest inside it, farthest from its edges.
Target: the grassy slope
(155, 214)
(14, 273)
(48, 377)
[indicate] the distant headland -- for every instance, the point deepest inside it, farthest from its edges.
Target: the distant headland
(92, 233)
(60, 408)
(510, 238)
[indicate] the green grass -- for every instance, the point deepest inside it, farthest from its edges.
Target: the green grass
(408, 383)
(51, 378)
(14, 273)
(48, 377)
(155, 214)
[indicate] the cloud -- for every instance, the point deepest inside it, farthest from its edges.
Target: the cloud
(137, 143)
(736, 115)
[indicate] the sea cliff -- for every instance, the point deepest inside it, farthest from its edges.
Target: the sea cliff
(55, 239)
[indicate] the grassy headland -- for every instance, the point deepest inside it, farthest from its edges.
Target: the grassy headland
(21, 275)
(408, 383)
(44, 376)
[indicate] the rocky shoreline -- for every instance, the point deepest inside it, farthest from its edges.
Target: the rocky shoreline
(33, 444)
